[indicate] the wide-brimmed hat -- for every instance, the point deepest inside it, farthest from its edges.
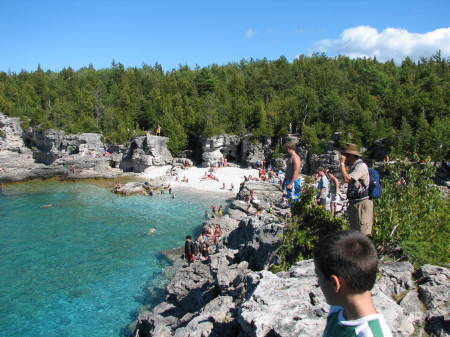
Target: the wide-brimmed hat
(352, 149)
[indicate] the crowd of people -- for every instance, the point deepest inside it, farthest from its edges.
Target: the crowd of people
(354, 172)
(200, 249)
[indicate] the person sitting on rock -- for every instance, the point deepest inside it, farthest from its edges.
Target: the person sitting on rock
(346, 265)
(217, 233)
(220, 210)
(204, 252)
(253, 198)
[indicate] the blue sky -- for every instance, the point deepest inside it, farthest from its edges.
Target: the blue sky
(58, 34)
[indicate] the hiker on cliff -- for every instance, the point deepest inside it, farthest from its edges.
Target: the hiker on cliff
(360, 208)
(346, 264)
(323, 187)
(158, 130)
(292, 181)
(334, 191)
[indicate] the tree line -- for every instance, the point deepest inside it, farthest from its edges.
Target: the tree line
(408, 104)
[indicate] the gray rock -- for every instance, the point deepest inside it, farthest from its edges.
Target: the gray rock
(237, 214)
(400, 322)
(265, 192)
(283, 307)
(149, 324)
(257, 239)
(215, 319)
(146, 151)
(192, 287)
(434, 291)
(217, 148)
(329, 160)
(131, 188)
(254, 151)
(396, 279)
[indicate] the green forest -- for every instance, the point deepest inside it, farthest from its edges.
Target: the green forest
(408, 103)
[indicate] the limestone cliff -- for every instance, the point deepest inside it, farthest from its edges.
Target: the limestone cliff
(236, 296)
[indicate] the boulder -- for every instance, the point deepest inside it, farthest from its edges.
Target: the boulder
(131, 188)
(146, 151)
(217, 148)
(434, 291)
(215, 319)
(282, 307)
(192, 287)
(329, 160)
(396, 279)
(265, 192)
(257, 238)
(254, 151)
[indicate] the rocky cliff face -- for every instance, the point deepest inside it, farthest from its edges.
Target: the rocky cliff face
(246, 150)
(33, 154)
(235, 296)
(144, 152)
(216, 149)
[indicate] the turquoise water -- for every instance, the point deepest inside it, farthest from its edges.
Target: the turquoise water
(82, 267)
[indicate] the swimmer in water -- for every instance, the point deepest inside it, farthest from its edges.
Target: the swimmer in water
(151, 231)
(47, 206)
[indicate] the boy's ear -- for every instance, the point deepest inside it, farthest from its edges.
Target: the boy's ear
(337, 282)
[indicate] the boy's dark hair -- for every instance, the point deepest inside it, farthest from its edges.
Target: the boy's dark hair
(188, 237)
(350, 255)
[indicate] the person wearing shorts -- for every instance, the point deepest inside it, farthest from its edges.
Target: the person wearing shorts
(292, 181)
(334, 192)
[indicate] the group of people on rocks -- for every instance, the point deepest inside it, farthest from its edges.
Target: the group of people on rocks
(353, 171)
(200, 249)
(215, 212)
(328, 189)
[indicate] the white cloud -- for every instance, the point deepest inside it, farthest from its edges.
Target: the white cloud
(249, 33)
(391, 43)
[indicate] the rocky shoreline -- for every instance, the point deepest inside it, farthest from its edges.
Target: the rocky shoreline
(235, 295)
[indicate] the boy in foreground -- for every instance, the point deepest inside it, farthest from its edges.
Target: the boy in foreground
(346, 265)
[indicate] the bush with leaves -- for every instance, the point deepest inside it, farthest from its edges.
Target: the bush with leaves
(412, 215)
(309, 222)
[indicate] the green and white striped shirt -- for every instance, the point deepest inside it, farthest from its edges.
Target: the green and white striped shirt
(368, 326)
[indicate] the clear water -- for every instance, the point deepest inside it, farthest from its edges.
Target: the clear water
(84, 266)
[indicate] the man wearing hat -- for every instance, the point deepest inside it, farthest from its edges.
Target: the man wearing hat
(360, 209)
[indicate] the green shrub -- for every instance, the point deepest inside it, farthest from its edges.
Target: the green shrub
(412, 215)
(309, 222)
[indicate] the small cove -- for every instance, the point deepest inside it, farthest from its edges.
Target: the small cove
(83, 266)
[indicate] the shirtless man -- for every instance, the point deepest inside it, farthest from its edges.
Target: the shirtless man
(292, 181)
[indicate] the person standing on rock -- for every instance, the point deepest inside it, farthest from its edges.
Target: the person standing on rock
(189, 249)
(323, 187)
(292, 181)
(360, 208)
(158, 130)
